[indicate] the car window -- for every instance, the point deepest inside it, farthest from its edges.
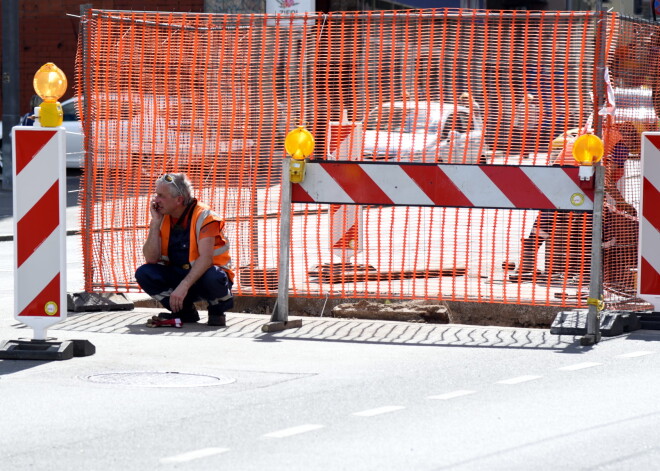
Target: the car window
(405, 120)
(386, 119)
(458, 121)
(462, 122)
(421, 121)
(70, 112)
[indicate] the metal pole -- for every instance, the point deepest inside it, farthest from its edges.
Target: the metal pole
(280, 318)
(282, 312)
(595, 285)
(10, 85)
(86, 84)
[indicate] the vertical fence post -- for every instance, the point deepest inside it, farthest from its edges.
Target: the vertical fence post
(595, 282)
(280, 318)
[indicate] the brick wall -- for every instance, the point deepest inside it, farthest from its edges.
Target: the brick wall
(48, 34)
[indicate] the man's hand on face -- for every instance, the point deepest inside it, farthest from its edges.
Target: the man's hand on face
(155, 210)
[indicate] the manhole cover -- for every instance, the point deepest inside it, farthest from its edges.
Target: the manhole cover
(156, 379)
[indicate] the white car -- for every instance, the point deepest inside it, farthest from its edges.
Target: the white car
(425, 132)
(75, 151)
(129, 127)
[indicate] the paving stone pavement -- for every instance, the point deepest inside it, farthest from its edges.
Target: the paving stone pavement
(240, 325)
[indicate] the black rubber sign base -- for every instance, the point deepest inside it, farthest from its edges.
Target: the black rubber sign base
(47, 350)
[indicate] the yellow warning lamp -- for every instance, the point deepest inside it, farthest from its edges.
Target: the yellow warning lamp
(50, 84)
(299, 144)
(588, 149)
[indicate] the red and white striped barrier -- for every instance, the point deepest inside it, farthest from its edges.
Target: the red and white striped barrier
(345, 230)
(344, 139)
(39, 227)
(418, 184)
(648, 283)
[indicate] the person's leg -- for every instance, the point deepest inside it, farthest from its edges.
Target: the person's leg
(529, 249)
(214, 287)
(158, 281)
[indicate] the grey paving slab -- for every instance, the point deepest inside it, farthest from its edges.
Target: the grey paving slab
(240, 325)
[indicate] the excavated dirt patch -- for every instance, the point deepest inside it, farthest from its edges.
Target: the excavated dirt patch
(411, 311)
(429, 311)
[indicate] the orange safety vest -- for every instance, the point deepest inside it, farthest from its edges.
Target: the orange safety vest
(201, 216)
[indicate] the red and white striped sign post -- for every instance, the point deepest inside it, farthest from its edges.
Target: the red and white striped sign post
(39, 184)
(648, 274)
(39, 227)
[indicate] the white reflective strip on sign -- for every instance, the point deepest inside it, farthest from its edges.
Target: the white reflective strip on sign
(38, 270)
(651, 164)
(557, 186)
(317, 181)
(651, 239)
(396, 184)
(476, 186)
(36, 178)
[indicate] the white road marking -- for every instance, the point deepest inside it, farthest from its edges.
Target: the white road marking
(579, 366)
(519, 379)
(641, 353)
(378, 411)
(193, 455)
(453, 394)
(287, 432)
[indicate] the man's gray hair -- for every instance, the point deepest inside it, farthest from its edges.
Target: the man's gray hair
(179, 185)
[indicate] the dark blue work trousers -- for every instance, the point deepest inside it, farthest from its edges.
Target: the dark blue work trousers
(158, 281)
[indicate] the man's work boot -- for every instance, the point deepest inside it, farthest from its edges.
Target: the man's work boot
(217, 312)
(217, 320)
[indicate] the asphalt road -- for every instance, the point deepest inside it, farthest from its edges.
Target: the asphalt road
(334, 394)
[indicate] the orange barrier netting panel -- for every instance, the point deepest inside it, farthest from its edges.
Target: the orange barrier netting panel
(215, 95)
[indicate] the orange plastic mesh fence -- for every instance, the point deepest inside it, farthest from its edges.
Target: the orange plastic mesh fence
(215, 95)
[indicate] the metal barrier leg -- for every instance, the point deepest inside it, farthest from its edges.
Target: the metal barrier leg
(280, 318)
(595, 284)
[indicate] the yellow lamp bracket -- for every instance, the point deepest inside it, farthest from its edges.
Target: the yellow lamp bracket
(50, 84)
(299, 144)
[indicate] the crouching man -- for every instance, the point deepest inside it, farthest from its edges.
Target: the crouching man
(187, 256)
